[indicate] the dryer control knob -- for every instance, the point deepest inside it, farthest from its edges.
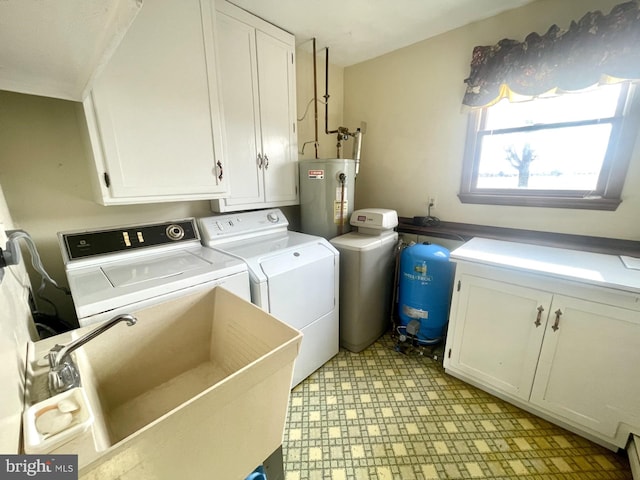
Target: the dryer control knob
(273, 217)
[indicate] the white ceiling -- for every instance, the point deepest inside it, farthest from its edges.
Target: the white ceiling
(55, 48)
(358, 30)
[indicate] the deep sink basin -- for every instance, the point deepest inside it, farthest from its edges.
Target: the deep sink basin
(198, 388)
(170, 356)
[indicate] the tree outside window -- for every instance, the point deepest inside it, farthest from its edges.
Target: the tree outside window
(570, 150)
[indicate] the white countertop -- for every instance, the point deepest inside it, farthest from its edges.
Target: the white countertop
(584, 267)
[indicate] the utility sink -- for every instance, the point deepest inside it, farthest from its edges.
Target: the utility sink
(198, 388)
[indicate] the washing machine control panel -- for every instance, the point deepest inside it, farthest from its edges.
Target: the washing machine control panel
(119, 239)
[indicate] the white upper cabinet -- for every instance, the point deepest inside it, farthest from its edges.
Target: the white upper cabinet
(55, 49)
(257, 77)
(239, 87)
(153, 115)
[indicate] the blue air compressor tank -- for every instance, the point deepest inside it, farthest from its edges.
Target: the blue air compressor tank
(426, 277)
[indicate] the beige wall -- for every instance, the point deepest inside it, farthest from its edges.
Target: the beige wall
(414, 145)
(44, 172)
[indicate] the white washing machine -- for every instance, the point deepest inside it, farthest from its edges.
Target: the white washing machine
(124, 269)
(293, 276)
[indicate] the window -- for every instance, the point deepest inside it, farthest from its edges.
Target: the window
(570, 150)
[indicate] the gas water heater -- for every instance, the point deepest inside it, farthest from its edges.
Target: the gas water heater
(327, 195)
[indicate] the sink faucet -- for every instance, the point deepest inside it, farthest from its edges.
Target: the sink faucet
(64, 374)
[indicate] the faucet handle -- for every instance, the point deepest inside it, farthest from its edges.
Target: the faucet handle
(53, 354)
(64, 374)
(64, 378)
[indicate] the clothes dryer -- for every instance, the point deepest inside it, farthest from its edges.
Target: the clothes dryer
(293, 276)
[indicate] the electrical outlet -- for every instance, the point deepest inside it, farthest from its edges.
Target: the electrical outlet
(432, 202)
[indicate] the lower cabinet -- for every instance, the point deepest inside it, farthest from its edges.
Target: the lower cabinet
(498, 332)
(587, 371)
(566, 351)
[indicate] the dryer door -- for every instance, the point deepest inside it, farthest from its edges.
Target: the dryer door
(302, 284)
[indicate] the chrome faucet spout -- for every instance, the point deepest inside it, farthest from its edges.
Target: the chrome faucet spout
(64, 373)
(65, 350)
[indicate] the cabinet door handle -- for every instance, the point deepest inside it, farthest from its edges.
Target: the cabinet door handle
(260, 160)
(220, 170)
(538, 321)
(557, 322)
(266, 162)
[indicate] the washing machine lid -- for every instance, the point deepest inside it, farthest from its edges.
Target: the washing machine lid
(160, 267)
(100, 288)
(361, 242)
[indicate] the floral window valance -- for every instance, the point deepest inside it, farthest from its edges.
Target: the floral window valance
(596, 49)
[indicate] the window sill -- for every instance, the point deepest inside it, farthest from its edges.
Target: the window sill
(595, 203)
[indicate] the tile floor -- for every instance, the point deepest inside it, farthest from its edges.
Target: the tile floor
(383, 415)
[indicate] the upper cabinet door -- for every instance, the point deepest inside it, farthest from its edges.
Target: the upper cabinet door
(257, 76)
(236, 43)
(277, 114)
(153, 114)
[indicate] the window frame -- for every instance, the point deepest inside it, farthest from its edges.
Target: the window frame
(607, 196)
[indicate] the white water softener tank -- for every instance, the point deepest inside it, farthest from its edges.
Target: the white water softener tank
(326, 196)
(367, 260)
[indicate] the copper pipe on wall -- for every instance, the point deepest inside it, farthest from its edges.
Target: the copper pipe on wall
(315, 98)
(343, 132)
(326, 94)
